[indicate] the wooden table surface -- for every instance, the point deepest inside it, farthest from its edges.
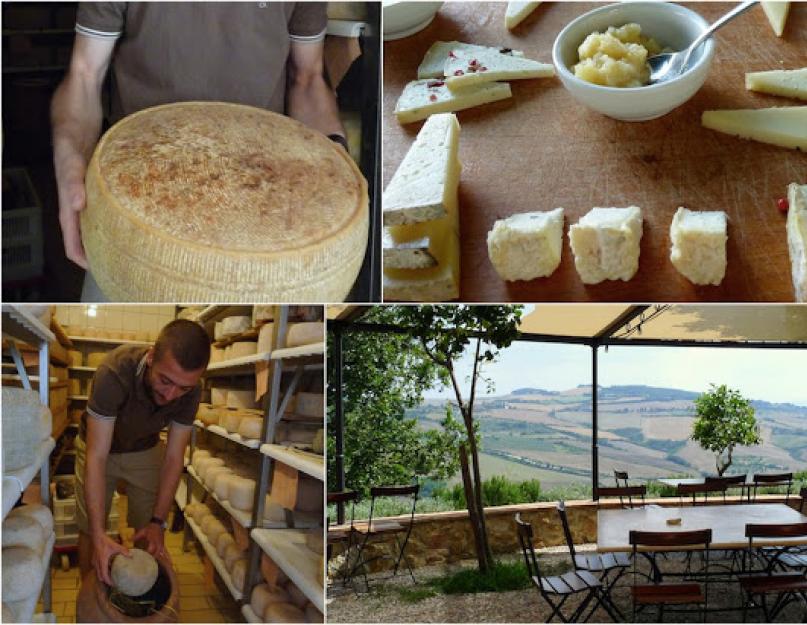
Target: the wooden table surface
(727, 523)
(542, 149)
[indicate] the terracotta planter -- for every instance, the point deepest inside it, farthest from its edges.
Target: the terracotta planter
(94, 606)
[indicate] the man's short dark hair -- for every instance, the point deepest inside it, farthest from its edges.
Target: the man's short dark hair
(187, 341)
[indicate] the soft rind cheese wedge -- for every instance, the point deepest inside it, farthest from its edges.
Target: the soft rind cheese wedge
(776, 12)
(699, 245)
(605, 243)
(421, 98)
(436, 56)
(218, 202)
(783, 126)
(465, 70)
(526, 245)
(422, 184)
(517, 12)
(797, 238)
(790, 83)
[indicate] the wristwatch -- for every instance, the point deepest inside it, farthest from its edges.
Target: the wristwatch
(336, 138)
(162, 524)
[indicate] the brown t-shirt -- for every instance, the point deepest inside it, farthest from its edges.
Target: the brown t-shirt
(210, 51)
(119, 393)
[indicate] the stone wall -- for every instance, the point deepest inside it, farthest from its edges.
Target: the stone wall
(446, 537)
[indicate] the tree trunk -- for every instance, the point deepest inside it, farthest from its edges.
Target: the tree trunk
(478, 501)
(473, 516)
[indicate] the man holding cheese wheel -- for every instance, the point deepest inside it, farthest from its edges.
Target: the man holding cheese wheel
(263, 54)
(136, 392)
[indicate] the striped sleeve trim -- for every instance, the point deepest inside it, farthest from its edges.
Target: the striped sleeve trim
(184, 426)
(98, 34)
(309, 38)
(102, 417)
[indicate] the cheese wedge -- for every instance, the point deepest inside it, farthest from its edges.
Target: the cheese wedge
(516, 13)
(526, 245)
(422, 183)
(465, 70)
(436, 56)
(699, 245)
(605, 243)
(421, 98)
(776, 12)
(797, 238)
(790, 83)
(782, 126)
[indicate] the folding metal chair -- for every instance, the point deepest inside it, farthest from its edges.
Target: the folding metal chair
(343, 535)
(602, 565)
(729, 481)
(774, 578)
(693, 490)
(621, 478)
(624, 492)
(556, 590)
(762, 480)
(662, 593)
(386, 530)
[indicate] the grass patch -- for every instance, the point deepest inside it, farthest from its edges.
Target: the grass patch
(502, 577)
(413, 595)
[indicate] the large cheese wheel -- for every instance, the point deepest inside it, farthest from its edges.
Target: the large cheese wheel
(243, 348)
(231, 554)
(135, 574)
(283, 613)
(241, 493)
(222, 484)
(235, 324)
(19, 531)
(310, 405)
(208, 414)
(205, 464)
(207, 523)
(94, 359)
(305, 333)
(241, 399)
(250, 427)
(223, 541)
(214, 473)
(22, 573)
(198, 456)
(239, 573)
(230, 420)
(286, 433)
(36, 511)
(75, 357)
(215, 528)
(218, 396)
(208, 201)
(263, 595)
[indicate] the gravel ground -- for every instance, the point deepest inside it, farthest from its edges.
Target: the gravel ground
(399, 600)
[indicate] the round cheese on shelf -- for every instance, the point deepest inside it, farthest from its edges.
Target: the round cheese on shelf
(305, 333)
(231, 554)
(241, 398)
(22, 573)
(233, 203)
(283, 613)
(263, 595)
(243, 348)
(215, 529)
(250, 427)
(222, 484)
(223, 541)
(239, 573)
(205, 464)
(41, 514)
(235, 324)
(241, 493)
(19, 531)
(207, 414)
(214, 474)
(230, 420)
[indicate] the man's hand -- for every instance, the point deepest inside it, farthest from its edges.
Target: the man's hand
(153, 534)
(70, 170)
(104, 548)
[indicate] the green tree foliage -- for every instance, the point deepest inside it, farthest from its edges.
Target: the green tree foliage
(383, 376)
(724, 420)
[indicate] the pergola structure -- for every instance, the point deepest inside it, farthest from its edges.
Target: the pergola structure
(600, 325)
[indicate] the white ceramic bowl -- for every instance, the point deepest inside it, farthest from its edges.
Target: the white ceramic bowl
(671, 25)
(402, 19)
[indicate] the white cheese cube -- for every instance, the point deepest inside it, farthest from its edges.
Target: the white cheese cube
(526, 245)
(421, 98)
(797, 237)
(436, 56)
(605, 243)
(699, 245)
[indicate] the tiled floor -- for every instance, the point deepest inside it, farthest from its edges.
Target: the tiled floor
(198, 602)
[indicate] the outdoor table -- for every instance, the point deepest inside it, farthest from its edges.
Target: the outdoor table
(726, 522)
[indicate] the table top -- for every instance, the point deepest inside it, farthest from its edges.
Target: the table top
(727, 523)
(675, 481)
(541, 149)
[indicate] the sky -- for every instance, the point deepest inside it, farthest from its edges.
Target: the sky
(764, 374)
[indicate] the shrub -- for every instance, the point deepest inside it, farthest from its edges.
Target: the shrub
(496, 491)
(502, 577)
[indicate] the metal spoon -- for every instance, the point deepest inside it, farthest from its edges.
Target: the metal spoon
(669, 65)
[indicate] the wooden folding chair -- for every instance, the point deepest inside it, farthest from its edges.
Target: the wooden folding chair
(662, 593)
(556, 590)
(693, 490)
(774, 578)
(764, 480)
(343, 535)
(388, 530)
(601, 565)
(624, 492)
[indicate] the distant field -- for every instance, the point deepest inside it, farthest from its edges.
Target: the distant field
(493, 465)
(668, 428)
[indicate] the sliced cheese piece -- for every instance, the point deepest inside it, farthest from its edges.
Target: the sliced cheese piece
(435, 59)
(234, 204)
(518, 11)
(605, 243)
(421, 98)
(465, 70)
(426, 180)
(699, 245)
(783, 126)
(797, 238)
(776, 12)
(790, 83)
(526, 245)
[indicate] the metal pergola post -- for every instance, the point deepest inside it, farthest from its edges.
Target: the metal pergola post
(339, 420)
(595, 451)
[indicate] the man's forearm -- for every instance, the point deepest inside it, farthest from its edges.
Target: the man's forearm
(76, 116)
(312, 102)
(169, 479)
(94, 490)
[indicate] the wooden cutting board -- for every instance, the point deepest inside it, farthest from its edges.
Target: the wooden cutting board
(542, 149)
